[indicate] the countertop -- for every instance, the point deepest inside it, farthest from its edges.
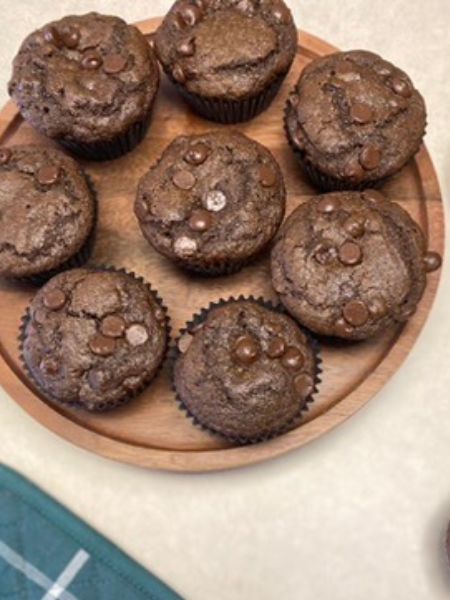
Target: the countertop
(358, 514)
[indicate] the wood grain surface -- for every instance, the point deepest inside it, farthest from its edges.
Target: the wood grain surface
(151, 431)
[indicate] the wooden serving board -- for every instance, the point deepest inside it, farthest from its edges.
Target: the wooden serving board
(151, 431)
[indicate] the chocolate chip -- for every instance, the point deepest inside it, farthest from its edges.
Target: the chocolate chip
(49, 366)
(48, 50)
(370, 157)
(197, 154)
(353, 170)
(401, 87)
(5, 155)
(185, 246)
(377, 307)
(39, 316)
(186, 48)
(293, 359)
(184, 342)
(361, 113)
(356, 313)
(136, 335)
(354, 226)
(214, 200)
(91, 60)
(48, 174)
(267, 176)
(342, 328)
(189, 14)
(328, 204)
(70, 37)
(432, 261)
(178, 73)
(200, 220)
(51, 36)
(373, 223)
(112, 326)
(304, 385)
(280, 14)
(373, 196)
(54, 299)
(102, 345)
(114, 63)
(350, 254)
(276, 348)
(184, 180)
(246, 350)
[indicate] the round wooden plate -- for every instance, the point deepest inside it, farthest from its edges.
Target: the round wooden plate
(152, 431)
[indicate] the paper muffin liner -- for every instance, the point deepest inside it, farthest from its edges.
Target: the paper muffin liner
(196, 321)
(229, 112)
(78, 259)
(106, 406)
(114, 148)
(323, 181)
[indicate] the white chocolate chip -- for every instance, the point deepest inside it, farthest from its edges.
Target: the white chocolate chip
(214, 200)
(185, 246)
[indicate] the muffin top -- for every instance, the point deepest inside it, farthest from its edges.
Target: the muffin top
(94, 337)
(47, 210)
(229, 49)
(355, 117)
(85, 78)
(211, 198)
(350, 264)
(245, 371)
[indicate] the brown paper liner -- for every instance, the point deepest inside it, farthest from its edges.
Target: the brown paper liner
(198, 319)
(106, 406)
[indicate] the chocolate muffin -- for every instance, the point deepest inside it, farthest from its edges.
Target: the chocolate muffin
(245, 371)
(88, 82)
(350, 264)
(353, 120)
(212, 202)
(228, 58)
(94, 338)
(47, 213)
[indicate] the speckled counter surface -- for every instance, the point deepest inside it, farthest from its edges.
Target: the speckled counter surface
(360, 513)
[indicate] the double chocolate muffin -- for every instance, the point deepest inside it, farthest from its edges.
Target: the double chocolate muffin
(47, 213)
(245, 371)
(94, 338)
(212, 202)
(350, 264)
(353, 120)
(228, 58)
(88, 82)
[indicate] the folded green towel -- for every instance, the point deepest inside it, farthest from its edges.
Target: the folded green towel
(46, 553)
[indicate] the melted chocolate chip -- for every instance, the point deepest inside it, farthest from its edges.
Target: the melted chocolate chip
(293, 359)
(353, 170)
(51, 36)
(377, 307)
(276, 348)
(214, 200)
(370, 157)
(114, 63)
(246, 350)
(328, 205)
(54, 299)
(350, 254)
(189, 14)
(70, 37)
(184, 180)
(136, 335)
(102, 345)
(401, 87)
(184, 342)
(91, 60)
(112, 326)
(197, 154)
(432, 261)
(200, 220)
(5, 155)
(267, 176)
(186, 48)
(304, 385)
(356, 313)
(361, 113)
(48, 174)
(354, 226)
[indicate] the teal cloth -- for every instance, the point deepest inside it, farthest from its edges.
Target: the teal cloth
(46, 553)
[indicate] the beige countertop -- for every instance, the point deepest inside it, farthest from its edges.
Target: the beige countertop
(360, 513)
